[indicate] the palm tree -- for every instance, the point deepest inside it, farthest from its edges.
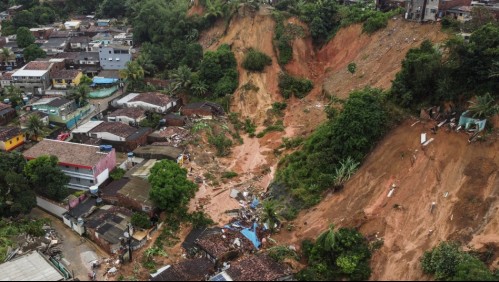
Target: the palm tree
(181, 78)
(5, 54)
(214, 9)
(133, 73)
(144, 60)
(199, 88)
(269, 215)
(13, 93)
(327, 240)
(79, 94)
(483, 107)
(35, 127)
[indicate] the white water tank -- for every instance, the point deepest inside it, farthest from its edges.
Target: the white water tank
(94, 189)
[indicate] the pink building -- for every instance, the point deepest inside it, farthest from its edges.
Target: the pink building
(86, 165)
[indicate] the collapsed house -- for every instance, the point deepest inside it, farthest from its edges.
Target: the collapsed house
(468, 122)
(189, 270)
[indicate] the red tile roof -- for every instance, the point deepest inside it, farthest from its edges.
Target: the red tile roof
(37, 65)
(116, 128)
(65, 74)
(257, 268)
(4, 106)
(134, 113)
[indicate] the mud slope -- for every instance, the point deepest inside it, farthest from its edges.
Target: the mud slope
(467, 173)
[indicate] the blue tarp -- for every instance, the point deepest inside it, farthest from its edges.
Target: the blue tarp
(103, 80)
(251, 235)
(255, 203)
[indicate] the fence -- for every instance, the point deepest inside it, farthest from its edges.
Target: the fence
(50, 207)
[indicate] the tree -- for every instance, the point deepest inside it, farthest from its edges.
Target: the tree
(112, 8)
(80, 95)
(480, 16)
(448, 262)
(85, 80)
(255, 60)
(33, 52)
(214, 9)
(25, 37)
(269, 215)
(5, 54)
(141, 220)
(16, 196)
(484, 106)
(144, 60)
(35, 127)
(199, 88)
(43, 14)
(14, 94)
(133, 74)
(170, 188)
(24, 18)
(221, 143)
(352, 67)
(182, 78)
(47, 178)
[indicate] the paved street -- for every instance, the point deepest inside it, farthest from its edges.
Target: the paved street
(73, 246)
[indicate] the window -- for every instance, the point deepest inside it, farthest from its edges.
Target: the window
(91, 182)
(77, 169)
(117, 59)
(17, 139)
(77, 179)
(10, 142)
(67, 166)
(109, 52)
(110, 59)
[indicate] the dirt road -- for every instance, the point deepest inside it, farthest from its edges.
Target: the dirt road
(73, 246)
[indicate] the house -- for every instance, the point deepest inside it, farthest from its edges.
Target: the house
(158, 152)
(32, 266)
(202, 109)
(123, 39)
(104, 38)
(42, 32)
(175, 120)
(13, 61)
(460, 13)
(188, 270)
(103, 22)
(14, 10)
(86, 165)
(107, 226)
(87, 62)
(33, 77)
(75, 216)
(7, 114)
(72, 25)
(4, 16)
(131, 192)
(131, 116)
(224, 246)
(65, 79)
(468, 122)
(431, 10)
(170, 136)
(114, 57)
(54, 46)
(62, 111)
(11, 138)
(260, 267)
(121, 136)
(151, 101)
(6, 78)
(79, 43)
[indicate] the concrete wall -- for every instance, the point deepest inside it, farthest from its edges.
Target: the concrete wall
(50, 207)
(108, 162)
(111, 59)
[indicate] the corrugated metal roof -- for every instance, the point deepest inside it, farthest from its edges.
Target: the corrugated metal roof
(31, 267)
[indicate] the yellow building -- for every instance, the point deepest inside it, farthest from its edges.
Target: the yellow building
(65, 79)
(10, 138)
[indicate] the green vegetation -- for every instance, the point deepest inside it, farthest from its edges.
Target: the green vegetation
(278, 108)
(427, 77)
(33, 52)
(278, 126)
(200, 219)
(229, 174)
(447, 262)
(46, 178)
(484, 107)
(218, 70)
(221, 143)
(249, 127)
(290, 143)
(255, 60)
(342, 141)
(352, 67)
(283, 36)
(170, 188)
(151, 121)
(117, 173)
(292, 86)
(24, 37)
(141, 220)
(280, 253)
(337, 255)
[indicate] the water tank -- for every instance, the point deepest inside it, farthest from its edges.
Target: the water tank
(6, 101)
(106, 148)
(25, 99)
(94, 189)
(130, 155)
(80, 221)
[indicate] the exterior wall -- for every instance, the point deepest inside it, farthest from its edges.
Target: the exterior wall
(13, 143)
(63, 83)
(132, 204)
(110, 59)
(31, 84)
(431, 12)
(106, 136)
(71, 119)
(125, 119)
(8, 116)
(447, 4)
(149, 107)
(81, 178)
(108, 162)
(199, 112)
(50, 207)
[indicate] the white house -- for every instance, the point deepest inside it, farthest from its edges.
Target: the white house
(151, 101)
(72, 25)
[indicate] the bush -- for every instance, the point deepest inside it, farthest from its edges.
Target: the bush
(289, 85)
(117, 173)
(278, 126)
(229, 174)
(376, 22)
(255, 60)
(200, 219)
(141, 220)
(447, 262)
(249, 127)
(279, 107)
(221, 143)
